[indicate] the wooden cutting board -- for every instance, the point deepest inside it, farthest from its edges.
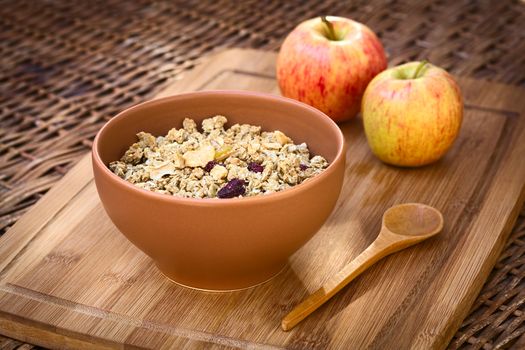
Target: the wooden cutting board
(70, 279)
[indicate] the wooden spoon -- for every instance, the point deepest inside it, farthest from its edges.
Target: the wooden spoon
(403, 225)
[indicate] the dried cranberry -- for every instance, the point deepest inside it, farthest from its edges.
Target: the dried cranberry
(255, 167)
(303, 167)
(234, 188)
(210, 165)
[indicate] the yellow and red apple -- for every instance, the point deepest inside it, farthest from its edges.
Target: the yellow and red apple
(412, 114)
(327, 62)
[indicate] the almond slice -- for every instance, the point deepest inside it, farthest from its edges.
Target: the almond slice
(199, 157)
(157, 171)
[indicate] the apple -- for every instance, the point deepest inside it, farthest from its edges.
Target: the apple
(327, 62)
(412, 114)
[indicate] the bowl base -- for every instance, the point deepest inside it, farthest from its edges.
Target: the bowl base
(223, 288)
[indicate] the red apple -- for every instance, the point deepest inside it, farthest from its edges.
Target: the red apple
(412, 114)
(327, 62)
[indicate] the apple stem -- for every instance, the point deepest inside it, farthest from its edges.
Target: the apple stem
(419, 69)
(330, 26)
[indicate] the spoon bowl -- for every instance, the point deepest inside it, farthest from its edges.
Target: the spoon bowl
(413, 219)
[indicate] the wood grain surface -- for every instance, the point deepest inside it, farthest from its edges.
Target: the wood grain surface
(70, 279)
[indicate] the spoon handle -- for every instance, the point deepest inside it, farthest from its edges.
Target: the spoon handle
(376, 251)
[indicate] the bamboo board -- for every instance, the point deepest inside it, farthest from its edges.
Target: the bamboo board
(70, 279)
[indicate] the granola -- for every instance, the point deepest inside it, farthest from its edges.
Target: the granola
(217, 162)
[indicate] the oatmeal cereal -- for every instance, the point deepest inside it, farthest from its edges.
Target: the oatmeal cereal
(217, 162)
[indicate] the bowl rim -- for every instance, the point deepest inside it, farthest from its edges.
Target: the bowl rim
(286, 193)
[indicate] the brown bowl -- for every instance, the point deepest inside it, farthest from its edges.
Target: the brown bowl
(220, 244)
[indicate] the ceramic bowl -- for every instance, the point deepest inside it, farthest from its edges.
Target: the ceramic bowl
(220, 244)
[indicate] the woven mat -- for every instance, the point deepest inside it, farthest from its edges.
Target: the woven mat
(68, 66)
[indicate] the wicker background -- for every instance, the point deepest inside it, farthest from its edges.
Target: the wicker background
(67, 66)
